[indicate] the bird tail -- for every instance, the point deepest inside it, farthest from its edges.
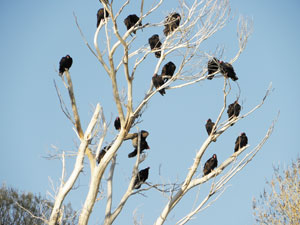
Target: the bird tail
(158, 54)
(210, 77)
(166, 31)
(132, 154)
(162, 92)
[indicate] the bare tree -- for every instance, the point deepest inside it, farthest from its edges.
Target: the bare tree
(199, 21)
(280, 203)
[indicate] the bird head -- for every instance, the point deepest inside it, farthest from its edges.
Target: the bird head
(144, 133)
(243, 134)
(68, 56)
(209, 120)
(214, 156)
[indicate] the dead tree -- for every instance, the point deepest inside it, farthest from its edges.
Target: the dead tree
(199, 21)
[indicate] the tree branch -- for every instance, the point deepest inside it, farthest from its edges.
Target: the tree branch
(63, 191)
(77, 119)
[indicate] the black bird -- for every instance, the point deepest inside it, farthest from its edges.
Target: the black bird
(240, 142)
(101, 15)
(172, 21)
(143, 144)
(155, 44)
(144, 135)
(131, 20)
(102, 153)
(228, 71)
(233, 109)
(157, 82)
(141, 177)
(212, 67)
(209, 126)
(168, 70)
(65, 64)
(117, 123)
(210, 164)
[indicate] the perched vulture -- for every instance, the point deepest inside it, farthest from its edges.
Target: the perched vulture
(102, 153)
(101, 15)
(143, 144)
(172, 21)
(210, 164)
(233, 109)
(240, 142)
(155, 44)
(144, 135)
(212, 67)
(131, 20)
(65, 64)
(141, 177)
(157, 82)
(209, 126)
(168, 70)
(117, 123)
(228, 71)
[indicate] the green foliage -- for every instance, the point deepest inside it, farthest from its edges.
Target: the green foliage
(280, 203)
(17, 208)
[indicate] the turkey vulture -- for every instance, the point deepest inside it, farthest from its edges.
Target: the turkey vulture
(168, 70)
(144, 135)
(141, 177)
(102, 153)
(65, 64)
(131, 20)
(117, 123)
(240, 142)
(172, 21)
(233, 109)
(228, 71)
(101, 14)
(155, 44)
(209, 126)
(212, 67)
(210, 164)
(157, 82)
(143, 144)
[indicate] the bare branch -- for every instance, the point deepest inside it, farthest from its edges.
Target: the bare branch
(83, 37)
(62, 179)
(189, 183)
(131, 185)
(63, 105)
(77, 119)
(109, 189)
(77, 168)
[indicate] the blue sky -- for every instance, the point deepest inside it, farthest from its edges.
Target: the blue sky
(36, 34)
